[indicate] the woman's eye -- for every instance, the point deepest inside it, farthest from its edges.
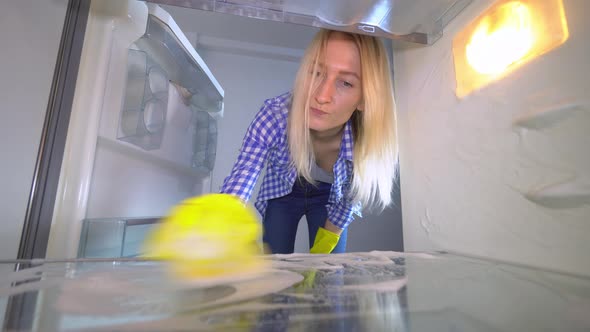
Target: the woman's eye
(346, 84)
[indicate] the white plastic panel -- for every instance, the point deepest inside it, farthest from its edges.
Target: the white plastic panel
(503, 173)
(419, 21)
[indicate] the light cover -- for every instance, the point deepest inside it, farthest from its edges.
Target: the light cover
(507, 35)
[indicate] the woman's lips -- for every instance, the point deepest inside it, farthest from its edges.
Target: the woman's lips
(317, 112)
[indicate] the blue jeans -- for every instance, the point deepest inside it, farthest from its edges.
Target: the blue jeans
(283, 214)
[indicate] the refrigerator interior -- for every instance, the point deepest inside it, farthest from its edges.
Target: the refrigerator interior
(488, 174)
(500, 174)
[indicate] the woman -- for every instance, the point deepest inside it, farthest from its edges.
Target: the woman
(330, 146)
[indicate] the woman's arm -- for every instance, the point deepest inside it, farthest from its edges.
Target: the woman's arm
(328, 236)
(329, 226)
(260, 137)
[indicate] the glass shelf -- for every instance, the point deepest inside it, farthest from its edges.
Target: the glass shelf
(369, 291)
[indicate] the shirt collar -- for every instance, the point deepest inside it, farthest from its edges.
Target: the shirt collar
(347, 144)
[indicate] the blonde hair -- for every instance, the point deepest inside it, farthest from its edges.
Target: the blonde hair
(374, 128)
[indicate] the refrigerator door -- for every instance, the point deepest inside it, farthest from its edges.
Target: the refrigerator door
(138, 142)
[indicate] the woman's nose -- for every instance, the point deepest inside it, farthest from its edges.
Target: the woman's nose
(324, 92)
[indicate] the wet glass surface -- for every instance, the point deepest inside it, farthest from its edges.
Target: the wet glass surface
(373, 291)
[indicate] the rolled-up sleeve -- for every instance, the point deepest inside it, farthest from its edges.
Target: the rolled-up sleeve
(259, 139)
(342, 213)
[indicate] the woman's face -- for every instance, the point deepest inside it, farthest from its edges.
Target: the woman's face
(338, 90)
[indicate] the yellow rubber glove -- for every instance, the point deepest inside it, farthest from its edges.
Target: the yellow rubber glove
(307, 283)
(208, 236)
(325, 241)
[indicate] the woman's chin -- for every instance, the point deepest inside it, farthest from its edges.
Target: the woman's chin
(317, 127)
(316, 123)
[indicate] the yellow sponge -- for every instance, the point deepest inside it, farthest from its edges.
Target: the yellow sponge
(208, 236)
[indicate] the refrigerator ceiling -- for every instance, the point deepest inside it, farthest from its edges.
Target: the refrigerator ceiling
(417, 21)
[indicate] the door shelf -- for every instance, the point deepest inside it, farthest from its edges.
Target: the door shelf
(170, 49)
(150, 157)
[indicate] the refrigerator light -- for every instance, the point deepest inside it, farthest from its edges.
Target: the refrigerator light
(507, 35)
(500, 39)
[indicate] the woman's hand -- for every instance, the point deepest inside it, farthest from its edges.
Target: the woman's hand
(326, 239)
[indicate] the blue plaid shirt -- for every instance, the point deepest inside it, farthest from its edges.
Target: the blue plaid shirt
(266, 141)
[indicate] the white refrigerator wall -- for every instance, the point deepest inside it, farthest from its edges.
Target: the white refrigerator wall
(474, 179)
